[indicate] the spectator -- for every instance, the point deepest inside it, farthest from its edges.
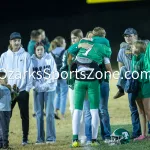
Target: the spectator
(58, 49)
(16, 59)
(45, 40)
(5, 110)
(34, 37)
(44, 93)
(98, 33)
(124, 62)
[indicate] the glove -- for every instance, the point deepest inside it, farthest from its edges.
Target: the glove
(15, 88)
(15, 92)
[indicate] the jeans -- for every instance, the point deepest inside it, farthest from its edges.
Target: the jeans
(103, 111)
(46, 99)
(61, 97)
(122, 80)
(134, 115)
(4, 126)
(88, 118)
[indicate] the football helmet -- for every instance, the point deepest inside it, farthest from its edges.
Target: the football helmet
(119, 136)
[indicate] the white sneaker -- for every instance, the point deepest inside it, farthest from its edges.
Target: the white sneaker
(82, 140)
(50, 142)
(39, 143)
(24, 143)
(88, 143)
(107, 141)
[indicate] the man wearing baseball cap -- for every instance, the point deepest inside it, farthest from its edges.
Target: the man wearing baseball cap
(124, 57)
(130, 31)
(15, 60)
(15, 35)
(124, 62)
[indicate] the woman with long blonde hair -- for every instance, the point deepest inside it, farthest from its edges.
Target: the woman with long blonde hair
(57, 49)
(143, 98)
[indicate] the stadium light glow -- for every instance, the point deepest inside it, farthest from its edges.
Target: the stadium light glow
(108, 1)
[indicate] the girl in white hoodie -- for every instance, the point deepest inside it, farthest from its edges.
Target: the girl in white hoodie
(45, 82)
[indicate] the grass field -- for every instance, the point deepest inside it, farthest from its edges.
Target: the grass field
(119, 116)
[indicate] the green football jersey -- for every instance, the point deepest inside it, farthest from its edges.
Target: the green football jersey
(100, 49)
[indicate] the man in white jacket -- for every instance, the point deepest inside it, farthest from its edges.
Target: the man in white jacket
(17, 64)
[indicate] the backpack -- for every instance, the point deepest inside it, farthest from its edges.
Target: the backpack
(58, 61)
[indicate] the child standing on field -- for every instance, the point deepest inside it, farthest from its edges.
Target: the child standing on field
(5, 110)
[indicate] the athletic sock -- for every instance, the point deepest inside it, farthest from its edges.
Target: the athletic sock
(76, 123)
(75, 138)
(94, 123)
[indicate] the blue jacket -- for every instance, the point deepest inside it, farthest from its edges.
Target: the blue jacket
(5, 99)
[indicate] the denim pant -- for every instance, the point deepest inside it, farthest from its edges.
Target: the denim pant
(103, 109)
(104, 115)
(4, 126)
(136, 131)
(61, 97)
(122, 81)
(46, 99)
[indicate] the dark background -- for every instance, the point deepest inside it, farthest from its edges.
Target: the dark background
(61, 17)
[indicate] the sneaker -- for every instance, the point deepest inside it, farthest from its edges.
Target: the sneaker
(5, 146)
(140, 138)
(88, 143)
(75, 144)
(107, 141)
(39, 143)
(57, 117)
(95, 144)
(24, 143)
(82, 140)
(119, 94)
(50, 142)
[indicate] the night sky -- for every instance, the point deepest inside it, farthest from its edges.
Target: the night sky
(59, 17)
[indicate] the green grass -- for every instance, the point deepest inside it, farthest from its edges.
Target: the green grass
(119, 117)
